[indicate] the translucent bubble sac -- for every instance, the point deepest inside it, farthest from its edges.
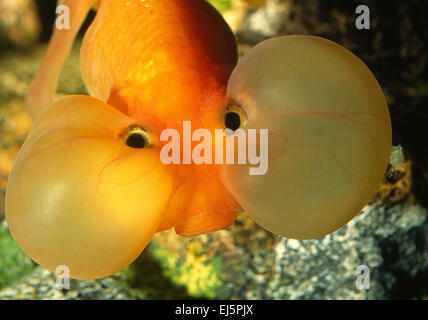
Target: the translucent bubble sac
(329, 135)
(79, 197)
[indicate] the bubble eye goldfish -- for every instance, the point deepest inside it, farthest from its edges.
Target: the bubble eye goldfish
(88, 188)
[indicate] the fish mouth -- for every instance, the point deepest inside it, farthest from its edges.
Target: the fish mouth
(199, 204)
(208, 212)
(190, 234)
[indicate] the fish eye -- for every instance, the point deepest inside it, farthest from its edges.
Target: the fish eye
(136, 137)
(235, 117)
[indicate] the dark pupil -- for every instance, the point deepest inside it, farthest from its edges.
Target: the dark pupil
(136, 140)
(232, 121)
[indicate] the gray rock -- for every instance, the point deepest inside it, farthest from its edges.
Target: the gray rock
(264, 22)
(41, 284)
(326, 268)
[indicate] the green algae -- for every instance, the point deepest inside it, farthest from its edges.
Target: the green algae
(221, 5)
(144, 280)
(14, 263)
(161, 273)
(194, 271)
(397, 157)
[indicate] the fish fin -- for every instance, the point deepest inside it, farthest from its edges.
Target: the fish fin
(43, 87)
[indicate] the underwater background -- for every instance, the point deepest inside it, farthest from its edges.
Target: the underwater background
(390, 235)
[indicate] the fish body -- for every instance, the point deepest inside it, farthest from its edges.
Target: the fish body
(162, 63)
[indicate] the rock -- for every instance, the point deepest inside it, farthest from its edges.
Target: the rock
(41, 284)
(262, 22)
(234, 14)
(19, 22)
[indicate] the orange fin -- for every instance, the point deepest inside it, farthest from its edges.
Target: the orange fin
(42, 90)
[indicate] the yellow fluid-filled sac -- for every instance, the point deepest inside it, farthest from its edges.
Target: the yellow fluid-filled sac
(329, 135)
(78, 196)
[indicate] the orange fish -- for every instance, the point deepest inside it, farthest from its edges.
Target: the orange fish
(89, 189)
